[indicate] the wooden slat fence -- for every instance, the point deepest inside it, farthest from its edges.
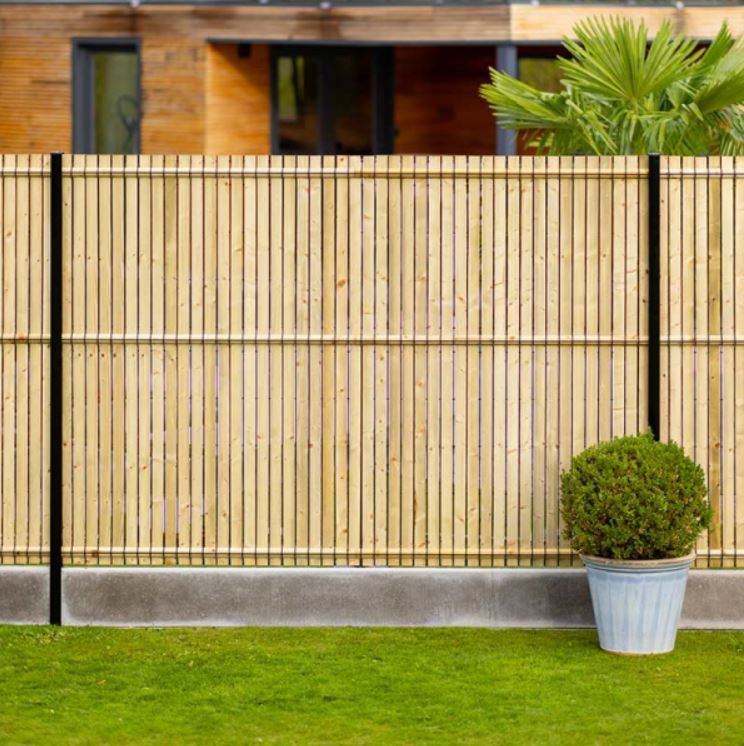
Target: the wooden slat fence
(24, 359)
(357, 361)
(702, 311)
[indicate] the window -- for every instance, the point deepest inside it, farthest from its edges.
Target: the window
(106, 97)
(332, 101)
(539, 68)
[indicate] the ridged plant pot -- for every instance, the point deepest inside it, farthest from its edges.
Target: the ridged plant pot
(637, 603)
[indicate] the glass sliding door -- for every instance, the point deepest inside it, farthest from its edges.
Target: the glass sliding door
(332, 101)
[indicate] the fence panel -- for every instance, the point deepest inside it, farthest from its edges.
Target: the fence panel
(24, 359)
(357, 360)
(702, 214)
(342, 360)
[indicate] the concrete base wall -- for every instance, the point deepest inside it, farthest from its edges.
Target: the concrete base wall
(370, 596)
(24, 594)
(339, 596)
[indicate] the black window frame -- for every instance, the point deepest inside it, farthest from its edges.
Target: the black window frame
(383, 125)
(82, 101)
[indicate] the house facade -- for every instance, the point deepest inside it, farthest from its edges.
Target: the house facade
(281, 77)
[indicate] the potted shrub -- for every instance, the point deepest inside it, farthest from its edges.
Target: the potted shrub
(633, 508)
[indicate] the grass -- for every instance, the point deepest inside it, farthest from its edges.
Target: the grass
(363, 686)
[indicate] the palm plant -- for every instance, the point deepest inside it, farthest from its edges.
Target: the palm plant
(624, 96)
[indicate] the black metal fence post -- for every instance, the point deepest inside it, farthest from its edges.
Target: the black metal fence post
(654, 295)
(55, 395)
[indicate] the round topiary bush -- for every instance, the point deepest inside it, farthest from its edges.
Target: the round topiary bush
(634, 498)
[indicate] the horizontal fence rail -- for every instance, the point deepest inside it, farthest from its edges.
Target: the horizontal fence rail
(357, 361)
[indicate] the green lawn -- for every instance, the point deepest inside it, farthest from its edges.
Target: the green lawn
(363, 686)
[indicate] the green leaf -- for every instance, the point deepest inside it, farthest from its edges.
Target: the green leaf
(623, 95)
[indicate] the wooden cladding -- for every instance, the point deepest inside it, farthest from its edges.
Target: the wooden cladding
(357, 361)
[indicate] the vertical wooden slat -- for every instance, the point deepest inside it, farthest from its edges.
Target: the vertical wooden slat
(525, 528)
(727, 355)
(579, 308)
(341, 365)
(77, 402)
(593, 251)
(144, 364)
(486, 357)
(210, 362)
(315, 363)
(420, 313)
(394, 328)
(367, 408)
(184, 544)
(327, 374)
(45, 291)
(250, 296)
(434, 327)
(473, 493)
(126, 402)
(643, 293)
(737, 270)
(196, 364)
(35, 350)
(274, 379)
(224, 383)
(407, 490)
(263, 381)
(302, 383)
(541, 359)
(157, 364)
(6, 510)
(89, 297)
(500, 454)
(510, 400)
(557, 388)
(105, 363)
(234, 360)
(447, 365)
(171, 358)
(289, 374)
(714, 356)
(633, 278)
(460, 302)
(605, 291)
(670, 318)
(22, 298)
(687, 260)
(381, 353)
(619, 297)
(700, 206)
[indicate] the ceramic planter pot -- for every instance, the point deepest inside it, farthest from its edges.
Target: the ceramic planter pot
(637, 603)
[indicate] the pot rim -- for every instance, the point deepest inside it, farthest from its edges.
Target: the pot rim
(639, 565)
